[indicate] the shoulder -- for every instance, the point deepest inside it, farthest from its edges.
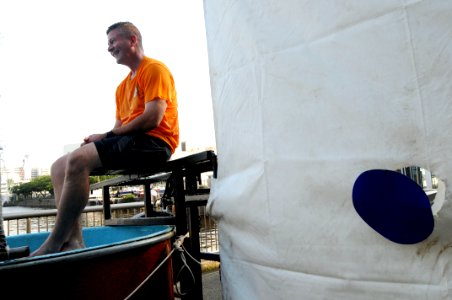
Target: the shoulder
(153, 72)
(154, 66)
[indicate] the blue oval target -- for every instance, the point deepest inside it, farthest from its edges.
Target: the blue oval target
(393, 205)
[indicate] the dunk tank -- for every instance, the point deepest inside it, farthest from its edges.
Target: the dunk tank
(318, 106)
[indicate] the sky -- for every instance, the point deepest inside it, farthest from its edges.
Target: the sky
(57, 80)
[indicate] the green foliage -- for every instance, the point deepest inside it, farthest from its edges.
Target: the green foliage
(127, 198)
(40, 186)
(96, 179)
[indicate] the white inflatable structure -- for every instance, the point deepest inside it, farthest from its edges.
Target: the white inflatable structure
(307, 96)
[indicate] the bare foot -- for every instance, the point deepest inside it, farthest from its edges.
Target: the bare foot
(72, 245)
(68, 246)
(45, 249)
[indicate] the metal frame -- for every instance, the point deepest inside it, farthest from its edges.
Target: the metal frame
(184, 173)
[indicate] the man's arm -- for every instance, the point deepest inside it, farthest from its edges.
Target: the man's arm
(149, 119)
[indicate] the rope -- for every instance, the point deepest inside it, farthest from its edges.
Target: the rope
(182, 250)
(178, 245)
(194, 259)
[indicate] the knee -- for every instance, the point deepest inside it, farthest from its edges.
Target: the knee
(76, 164)
(58, 168)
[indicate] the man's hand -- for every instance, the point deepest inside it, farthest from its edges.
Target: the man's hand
(93, 138)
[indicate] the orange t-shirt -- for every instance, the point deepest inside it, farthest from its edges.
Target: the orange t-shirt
(152, 81)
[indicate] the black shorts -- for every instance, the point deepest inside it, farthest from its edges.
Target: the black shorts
(137, 151)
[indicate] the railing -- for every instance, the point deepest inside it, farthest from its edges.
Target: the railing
(44, 220)
(92, 216)
(208, 233)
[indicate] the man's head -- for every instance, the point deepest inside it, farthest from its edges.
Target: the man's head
(124, 41)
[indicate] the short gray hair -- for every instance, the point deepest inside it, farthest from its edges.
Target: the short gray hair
(127, 29)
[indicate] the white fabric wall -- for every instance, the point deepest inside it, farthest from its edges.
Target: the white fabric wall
(308, 95)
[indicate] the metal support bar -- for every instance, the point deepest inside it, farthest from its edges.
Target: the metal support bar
(106, 198)
(147, 200)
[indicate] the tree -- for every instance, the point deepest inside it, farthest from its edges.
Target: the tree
(42, 186)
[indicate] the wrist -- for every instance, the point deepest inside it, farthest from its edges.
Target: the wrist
(110, 134)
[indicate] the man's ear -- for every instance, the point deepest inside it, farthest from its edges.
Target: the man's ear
(134, 40)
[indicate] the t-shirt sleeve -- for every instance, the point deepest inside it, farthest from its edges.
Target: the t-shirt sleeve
(158, 83)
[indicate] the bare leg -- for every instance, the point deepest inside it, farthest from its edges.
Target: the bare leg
(71, 196)
(58, 172)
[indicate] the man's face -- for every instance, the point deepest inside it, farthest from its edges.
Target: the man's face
(119, 46)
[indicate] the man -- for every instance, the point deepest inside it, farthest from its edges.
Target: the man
(146, 131)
